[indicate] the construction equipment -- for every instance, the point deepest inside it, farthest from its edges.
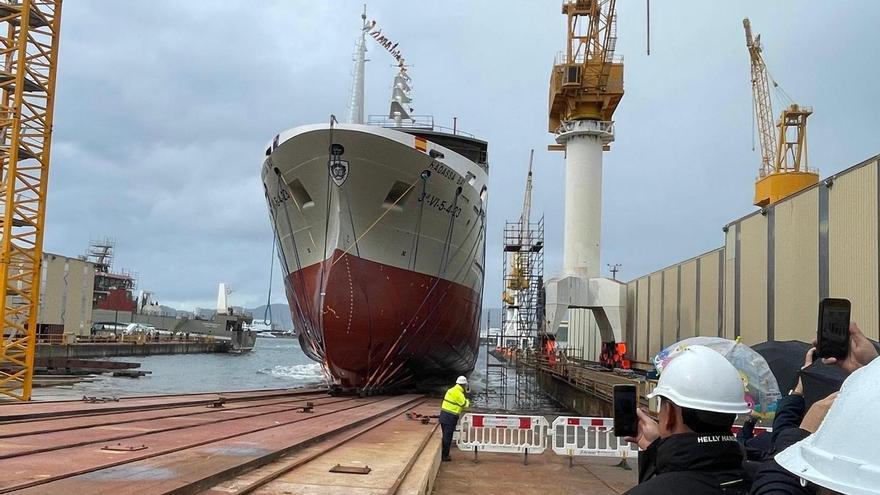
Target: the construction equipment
(29, 50)
(587, 83)
(518, 268)
(784, 165)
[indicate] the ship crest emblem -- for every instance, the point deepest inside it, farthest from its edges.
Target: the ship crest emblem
(338, 170)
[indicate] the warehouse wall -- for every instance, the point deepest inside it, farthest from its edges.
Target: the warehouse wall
(674, 303)
(765, 282)
(66, 287)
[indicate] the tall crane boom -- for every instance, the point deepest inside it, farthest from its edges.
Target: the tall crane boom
(29, 50)
(784, 168)
(587, 82)
(762, 103)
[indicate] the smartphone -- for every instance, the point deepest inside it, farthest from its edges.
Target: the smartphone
(626, 400)
(833, 333)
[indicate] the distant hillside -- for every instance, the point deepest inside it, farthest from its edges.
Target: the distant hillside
(280, 315)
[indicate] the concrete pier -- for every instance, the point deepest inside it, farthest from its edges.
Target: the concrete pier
(125, 349)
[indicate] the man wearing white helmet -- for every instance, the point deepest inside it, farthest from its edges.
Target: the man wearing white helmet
(454, 402)
(691, 449)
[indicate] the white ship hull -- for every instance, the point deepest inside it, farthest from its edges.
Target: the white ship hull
(383, 247)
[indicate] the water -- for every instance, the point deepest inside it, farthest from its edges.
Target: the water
(274, 363)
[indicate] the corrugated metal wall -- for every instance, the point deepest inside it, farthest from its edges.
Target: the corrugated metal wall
(752, 280)
(765, 282)
(642, 345)
(852, 244)
(796, 276)
(687, 301)
(66, 289)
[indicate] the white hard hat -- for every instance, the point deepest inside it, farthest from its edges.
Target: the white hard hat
(700, 378)
(844, 453)
(461, 380)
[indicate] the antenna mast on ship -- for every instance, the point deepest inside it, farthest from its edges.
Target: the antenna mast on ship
(356, 105)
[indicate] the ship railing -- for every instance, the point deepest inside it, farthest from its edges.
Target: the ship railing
(136, 338)
(425, 122)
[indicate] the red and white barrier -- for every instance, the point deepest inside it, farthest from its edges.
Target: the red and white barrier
(758, 430)
(502, 433)
(583, 436)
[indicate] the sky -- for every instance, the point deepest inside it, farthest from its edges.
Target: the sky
(164, 109)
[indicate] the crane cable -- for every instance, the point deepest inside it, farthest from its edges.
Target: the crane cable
(268, 310)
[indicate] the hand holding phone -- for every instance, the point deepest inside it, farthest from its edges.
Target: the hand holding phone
(832, 338)
(626, 421)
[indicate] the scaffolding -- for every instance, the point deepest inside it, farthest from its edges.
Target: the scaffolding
(522, 306)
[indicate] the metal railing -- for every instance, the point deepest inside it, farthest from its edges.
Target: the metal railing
(66, 339)
(425, 122)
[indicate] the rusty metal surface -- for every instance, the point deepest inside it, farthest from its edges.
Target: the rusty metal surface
(252, 480)
(71, 423)
(390, 449)
(35, 410)
(67, 438)
(188, 460)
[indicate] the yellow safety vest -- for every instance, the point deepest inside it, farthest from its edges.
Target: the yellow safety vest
(455, 400)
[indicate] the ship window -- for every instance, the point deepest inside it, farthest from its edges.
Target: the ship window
(483, 194)
(396, 195)
(300, 195)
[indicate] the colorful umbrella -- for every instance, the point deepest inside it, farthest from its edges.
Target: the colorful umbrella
(760, 389)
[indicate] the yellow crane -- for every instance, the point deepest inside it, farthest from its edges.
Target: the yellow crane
(519, 269)
(587, 81)
(784, 164)
(29, 51)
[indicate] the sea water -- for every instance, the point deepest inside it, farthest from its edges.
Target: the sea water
(274, 363)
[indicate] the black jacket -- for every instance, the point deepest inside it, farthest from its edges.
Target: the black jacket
(692, 464)
(771, 478)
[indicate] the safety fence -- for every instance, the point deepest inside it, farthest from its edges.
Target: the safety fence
(567, 435)
(591, 437)
(508, 434)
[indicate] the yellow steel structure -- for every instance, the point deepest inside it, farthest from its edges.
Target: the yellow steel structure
(519, 269)
(587, 81)
(29, 51)
(784, 164)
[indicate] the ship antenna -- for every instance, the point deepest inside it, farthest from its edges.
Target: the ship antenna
(356, 105)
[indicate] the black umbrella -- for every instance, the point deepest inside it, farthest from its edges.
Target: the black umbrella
(821, 380)
(785, 359)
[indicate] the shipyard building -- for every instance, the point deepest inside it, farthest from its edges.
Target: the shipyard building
(767, 276)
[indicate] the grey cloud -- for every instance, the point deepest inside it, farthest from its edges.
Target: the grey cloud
(164, 108)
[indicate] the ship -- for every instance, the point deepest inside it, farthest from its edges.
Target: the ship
(117, 310)
(380, 228)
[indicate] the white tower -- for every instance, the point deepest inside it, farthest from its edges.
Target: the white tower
(583, 141)
(223, 298)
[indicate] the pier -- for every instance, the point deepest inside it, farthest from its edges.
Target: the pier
(125, 349)
(264, 442)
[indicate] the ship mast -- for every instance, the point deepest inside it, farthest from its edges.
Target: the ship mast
(356, 104)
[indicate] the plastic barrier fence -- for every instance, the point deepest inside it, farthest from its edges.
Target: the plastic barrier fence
(496, 433)
(758, 430)
(579, 436)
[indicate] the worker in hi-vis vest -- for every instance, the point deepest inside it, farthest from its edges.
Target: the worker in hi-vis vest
(454, 402)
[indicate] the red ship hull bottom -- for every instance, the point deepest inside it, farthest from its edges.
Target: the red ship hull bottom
(382, 326)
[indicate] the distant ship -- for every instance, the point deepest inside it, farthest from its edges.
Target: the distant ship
(381, 235)
(116, 311)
